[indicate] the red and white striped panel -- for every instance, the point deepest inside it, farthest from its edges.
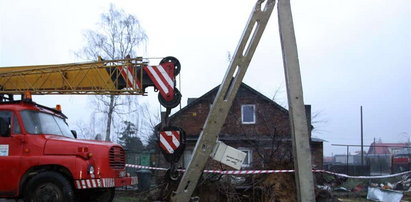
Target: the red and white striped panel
(163, 81)
(134, 180)
(169, 141)
(88, 183)
(108, 182)
(130, 76)
(95, 183)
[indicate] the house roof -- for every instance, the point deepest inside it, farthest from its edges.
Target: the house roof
(384, 148)
(316, 139)
(215, 89)
(328, 159)
(194, 101)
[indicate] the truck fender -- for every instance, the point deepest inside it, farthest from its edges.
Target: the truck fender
(30, 173)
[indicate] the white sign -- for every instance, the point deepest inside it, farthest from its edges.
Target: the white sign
(228, 155)
(4, 149)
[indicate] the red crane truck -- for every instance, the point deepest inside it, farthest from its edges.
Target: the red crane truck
(40, 157)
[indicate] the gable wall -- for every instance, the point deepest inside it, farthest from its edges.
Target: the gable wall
(269, 118)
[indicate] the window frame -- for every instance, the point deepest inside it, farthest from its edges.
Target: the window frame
(242, 114)
(249, 156)
(59, 123)
(187, 157)
(10, 121)
(15, 125)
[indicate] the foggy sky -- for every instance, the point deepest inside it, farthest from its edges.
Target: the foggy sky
(351, 53)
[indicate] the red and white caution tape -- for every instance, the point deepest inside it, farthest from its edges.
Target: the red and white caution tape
(254, 172)
(247, 172)
(363, 177)
(144, 167)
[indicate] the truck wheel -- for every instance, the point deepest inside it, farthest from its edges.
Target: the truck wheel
(49, 187)
(97, 195)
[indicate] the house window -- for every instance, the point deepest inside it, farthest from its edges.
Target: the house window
(249, 156)
(248, 114)
(187, 157)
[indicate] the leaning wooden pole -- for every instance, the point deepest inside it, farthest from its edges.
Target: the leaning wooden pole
(298, 120)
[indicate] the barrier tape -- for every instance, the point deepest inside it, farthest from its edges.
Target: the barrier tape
(247, 172)
(144, 167)
(363, 177)
(253, 172)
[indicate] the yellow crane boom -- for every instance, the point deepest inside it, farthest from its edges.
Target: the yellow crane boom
(104, 77)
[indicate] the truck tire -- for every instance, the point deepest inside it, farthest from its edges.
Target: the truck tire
(97, 195)
(49, 187)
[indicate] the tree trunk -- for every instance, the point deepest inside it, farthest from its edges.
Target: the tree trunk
(109, 117)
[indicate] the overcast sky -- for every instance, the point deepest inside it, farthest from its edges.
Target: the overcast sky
(351, 53)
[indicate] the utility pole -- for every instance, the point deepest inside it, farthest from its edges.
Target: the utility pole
(224, 99)
(227, 92)
(298, 120)
(362, 139)
(348, 150)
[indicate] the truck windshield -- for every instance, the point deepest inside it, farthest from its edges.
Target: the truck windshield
(37, 122)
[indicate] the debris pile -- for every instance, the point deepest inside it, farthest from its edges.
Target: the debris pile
(404, 184)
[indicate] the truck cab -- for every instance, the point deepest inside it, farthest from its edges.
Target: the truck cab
(41, 159)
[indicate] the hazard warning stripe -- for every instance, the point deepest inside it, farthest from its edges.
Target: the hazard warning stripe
(174, 138)
(161, 78)
(89, 183)
(164, 143)
(163, 72)
(170, 140)
(129, 77)
(134, 180)
(99, 183)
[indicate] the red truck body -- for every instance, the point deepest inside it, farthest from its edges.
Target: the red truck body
(26, 151)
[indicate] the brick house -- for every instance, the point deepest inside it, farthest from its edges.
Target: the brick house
(255, 124)
(380, 157)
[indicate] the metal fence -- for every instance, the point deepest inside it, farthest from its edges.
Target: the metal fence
(379, 160)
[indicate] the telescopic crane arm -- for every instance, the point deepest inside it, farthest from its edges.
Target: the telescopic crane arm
(128, 76)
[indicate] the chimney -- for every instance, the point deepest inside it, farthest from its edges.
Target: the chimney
(308, 116)
(190, 100)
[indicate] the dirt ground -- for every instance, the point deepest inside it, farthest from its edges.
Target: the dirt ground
(362, 197)
(343, 197)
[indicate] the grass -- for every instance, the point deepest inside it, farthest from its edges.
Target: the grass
(126, 199)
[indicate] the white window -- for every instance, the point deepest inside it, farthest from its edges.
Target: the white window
(249, 156)
(248, 114)
(187, 157)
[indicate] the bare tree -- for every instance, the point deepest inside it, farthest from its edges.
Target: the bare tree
(83, 130)
(117, 35)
